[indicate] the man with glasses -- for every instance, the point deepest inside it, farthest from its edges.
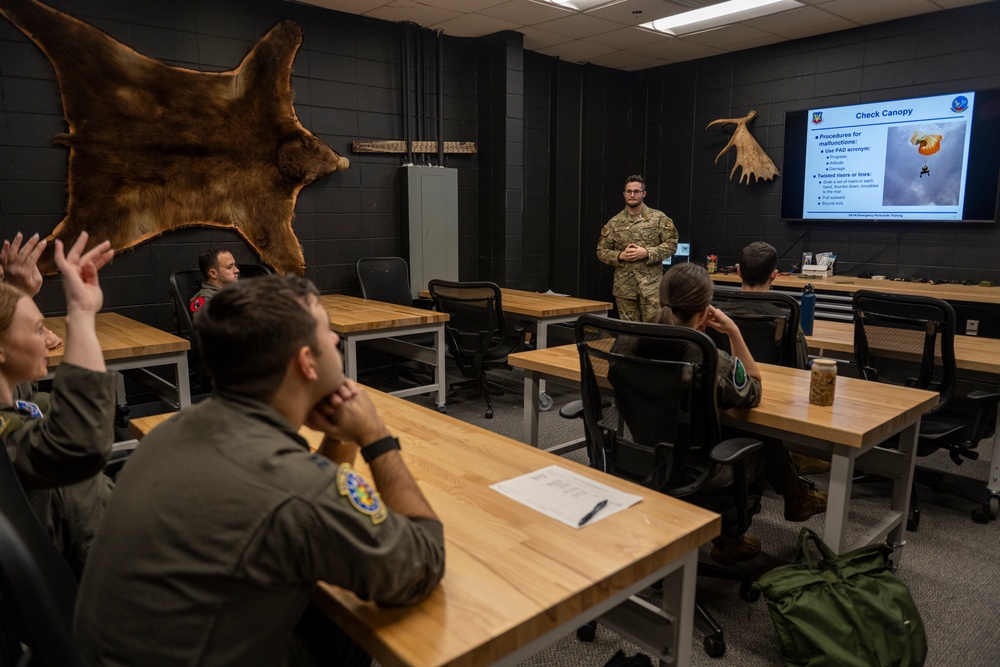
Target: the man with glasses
(635, 242)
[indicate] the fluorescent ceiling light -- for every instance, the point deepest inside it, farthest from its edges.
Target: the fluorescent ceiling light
(718, 15)
(579, 5)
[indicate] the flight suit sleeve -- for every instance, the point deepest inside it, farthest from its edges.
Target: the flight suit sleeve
(607, 250)
(667, 240)
(349, 538)
(72, 441)
(736, 388)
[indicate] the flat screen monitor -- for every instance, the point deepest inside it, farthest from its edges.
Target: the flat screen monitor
(682, 254)
(917, 159)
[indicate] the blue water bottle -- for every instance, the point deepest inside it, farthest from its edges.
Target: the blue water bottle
(807, 309)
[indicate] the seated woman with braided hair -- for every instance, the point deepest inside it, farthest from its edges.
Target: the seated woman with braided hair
(685, 300)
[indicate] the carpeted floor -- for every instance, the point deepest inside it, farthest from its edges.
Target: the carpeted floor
(949, 563)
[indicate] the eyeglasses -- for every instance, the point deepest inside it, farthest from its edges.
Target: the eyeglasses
(634, 192)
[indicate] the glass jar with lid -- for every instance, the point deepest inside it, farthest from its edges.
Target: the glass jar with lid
(823, 382)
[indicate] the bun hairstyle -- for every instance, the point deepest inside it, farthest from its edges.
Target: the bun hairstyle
(685, 290)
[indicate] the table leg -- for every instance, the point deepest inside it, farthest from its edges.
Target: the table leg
(531, 391)
(183, 382)
(350, 358)
(541, 342)
(678, 600)
(439, 372)
(902, 485)
(839, 496)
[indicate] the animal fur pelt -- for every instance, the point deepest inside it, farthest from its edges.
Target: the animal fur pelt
(749, 155)
(153, 148)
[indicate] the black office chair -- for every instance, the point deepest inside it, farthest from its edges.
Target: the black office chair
(910, 341)
(37, 586)
(769, 322)
(254, 271)
(476, 333)
(651, 415)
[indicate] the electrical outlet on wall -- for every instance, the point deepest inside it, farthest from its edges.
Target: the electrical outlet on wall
(971, 327)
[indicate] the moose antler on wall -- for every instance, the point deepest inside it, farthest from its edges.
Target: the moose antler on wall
(750, 157)
(154, 148)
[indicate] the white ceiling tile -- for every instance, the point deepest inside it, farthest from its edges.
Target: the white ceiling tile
(577, 51)
(626, 37)
(726, 35)
(422, 15)
(579, 26)
(801, 22)
(677, 50)
(650, 10)
(348, 6)
(474, 25)
(536, 38)
(871, 11)
(464, 6)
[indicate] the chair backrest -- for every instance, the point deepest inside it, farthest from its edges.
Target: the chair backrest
(37, 586)
(769, 323)
(477, 325)
(906, 340)
(183, 286)
(649, 399)
(385, 279)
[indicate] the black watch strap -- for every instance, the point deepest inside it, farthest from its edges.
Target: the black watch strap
(378, 448)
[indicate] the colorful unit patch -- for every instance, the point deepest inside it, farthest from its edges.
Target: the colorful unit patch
(360, 493)
(197, 303)
(739, 374)
(28, 409)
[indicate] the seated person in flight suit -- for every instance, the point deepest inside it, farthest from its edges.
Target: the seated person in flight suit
(218, 267)
(60, 442)
(686, 300)
(223, 520)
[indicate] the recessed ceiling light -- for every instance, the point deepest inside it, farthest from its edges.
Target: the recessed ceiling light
(718, 15)
(579, 5)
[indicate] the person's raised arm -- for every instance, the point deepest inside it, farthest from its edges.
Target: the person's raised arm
(349, 416)
(719, 321)
(84, 300)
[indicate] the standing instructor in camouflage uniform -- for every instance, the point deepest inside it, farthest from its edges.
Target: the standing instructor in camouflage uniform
(635, 242)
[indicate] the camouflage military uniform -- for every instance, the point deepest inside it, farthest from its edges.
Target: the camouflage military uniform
(198, 301)
(59, 444)
(221, 524)
(637, 284)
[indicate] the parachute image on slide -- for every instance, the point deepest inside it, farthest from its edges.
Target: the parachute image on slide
(923, 164)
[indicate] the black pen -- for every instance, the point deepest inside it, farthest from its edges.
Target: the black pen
(590, 515)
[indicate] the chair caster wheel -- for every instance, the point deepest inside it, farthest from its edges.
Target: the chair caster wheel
(987, 511)
(715, 647)
(748, 592)
(489, 413)
(913, 521)
(443, 409)
(545, 402)
(587, 633)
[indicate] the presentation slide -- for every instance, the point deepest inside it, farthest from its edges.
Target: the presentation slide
(902, 160)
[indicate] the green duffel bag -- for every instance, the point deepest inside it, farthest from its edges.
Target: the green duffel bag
(843, 611)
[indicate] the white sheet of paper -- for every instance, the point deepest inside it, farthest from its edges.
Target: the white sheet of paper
(564, 495)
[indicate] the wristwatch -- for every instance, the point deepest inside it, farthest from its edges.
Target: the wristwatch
(378, 448)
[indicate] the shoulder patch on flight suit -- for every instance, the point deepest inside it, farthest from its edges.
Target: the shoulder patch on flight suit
(360, 493)
(739, 374)
(28, 409)
(197, 303)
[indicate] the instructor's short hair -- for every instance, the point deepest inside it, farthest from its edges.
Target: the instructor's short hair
(757, 262)
(249, 332)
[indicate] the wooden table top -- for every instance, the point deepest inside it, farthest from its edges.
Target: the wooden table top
(971, 352)
(512, 575)
(850, 284)
(349, 314)
(542, 306)
(863, 413)
(120, 338)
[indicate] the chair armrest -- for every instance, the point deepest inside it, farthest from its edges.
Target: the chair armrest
(732, 450)
(426, 304)
(986, 397)
(572, 410)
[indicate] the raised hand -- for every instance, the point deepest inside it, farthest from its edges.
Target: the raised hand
(19, 264)
(79, 270)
